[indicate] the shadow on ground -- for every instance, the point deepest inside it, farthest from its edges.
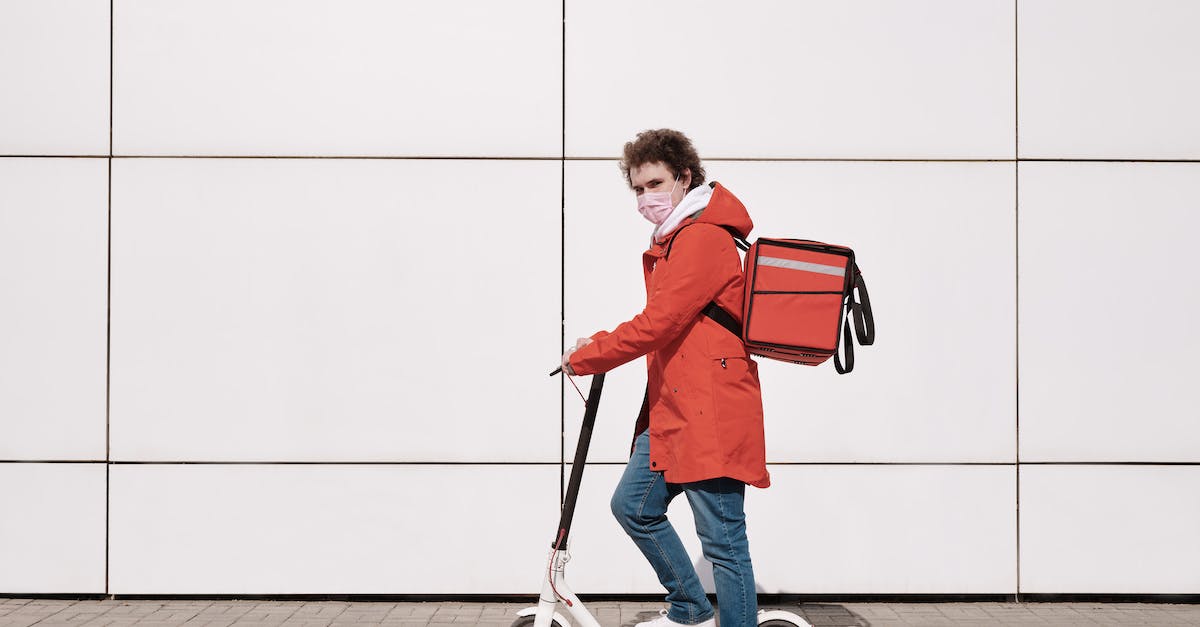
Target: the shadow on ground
(827, 615)
(817, 614)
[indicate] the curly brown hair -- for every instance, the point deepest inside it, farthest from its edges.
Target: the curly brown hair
(667, 146)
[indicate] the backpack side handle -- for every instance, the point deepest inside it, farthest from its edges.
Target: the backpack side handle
(864, 323)
(864, 318)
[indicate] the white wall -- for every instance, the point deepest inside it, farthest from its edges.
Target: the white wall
(279, 319)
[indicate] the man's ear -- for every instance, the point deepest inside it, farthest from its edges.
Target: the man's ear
(685, 179)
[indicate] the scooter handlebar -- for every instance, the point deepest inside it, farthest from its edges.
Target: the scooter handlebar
(556, 371)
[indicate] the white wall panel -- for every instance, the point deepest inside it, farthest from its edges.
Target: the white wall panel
(1108, 363)
(931, 78)
(886, 530)
(1110, 529)
(52, 530)
(840, 529)
(337, 310)
(330, 529)
(936, 245)
(1109, 79)
(54, 69)
(53, 282)
(366, 78)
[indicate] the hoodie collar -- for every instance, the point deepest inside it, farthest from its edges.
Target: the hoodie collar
(695, 201)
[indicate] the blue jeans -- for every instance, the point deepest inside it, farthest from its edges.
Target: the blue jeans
(640, 505)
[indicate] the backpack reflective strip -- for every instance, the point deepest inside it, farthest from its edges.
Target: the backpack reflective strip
(801, 265)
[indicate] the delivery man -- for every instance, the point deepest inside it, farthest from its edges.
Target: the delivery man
(700, 432)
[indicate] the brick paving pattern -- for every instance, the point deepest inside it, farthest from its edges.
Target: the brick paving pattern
(16, 612)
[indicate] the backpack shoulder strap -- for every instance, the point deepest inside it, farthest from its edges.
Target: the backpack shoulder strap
(723, 318)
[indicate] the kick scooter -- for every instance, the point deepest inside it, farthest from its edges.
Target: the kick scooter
(554, 584)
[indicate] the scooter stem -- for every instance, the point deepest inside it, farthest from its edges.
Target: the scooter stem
(581, 451)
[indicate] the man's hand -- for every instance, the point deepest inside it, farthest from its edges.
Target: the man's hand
(566, 358)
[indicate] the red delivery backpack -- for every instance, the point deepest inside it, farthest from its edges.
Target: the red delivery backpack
(799, 294)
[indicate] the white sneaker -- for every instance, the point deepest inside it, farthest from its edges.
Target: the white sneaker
(663, 621)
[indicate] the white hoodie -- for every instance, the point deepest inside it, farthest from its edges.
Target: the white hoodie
(693, 202)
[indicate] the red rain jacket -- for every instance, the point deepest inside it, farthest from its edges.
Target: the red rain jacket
(705, 402)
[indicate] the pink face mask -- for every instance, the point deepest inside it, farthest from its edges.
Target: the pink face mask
(656, 206)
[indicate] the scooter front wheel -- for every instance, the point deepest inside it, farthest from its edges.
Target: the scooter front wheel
(527, 621)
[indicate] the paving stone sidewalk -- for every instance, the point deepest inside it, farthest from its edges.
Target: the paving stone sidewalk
(18, 612)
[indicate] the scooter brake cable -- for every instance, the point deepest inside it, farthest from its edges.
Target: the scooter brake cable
(550, 573)
(572, 380)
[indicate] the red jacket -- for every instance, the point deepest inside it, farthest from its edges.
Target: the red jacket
(706, 416)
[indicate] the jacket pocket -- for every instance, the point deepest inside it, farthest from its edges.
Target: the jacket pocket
(735, 389)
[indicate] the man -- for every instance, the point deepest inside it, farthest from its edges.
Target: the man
(700, 432)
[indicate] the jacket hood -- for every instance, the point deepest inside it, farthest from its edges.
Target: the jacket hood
(725, 210)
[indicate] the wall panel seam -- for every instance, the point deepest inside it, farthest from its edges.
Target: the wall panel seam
(562, 260)
(108, 308)
(110, 462)
(606, 159)
(1017, 292)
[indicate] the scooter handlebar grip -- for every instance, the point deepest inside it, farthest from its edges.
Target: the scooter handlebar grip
(556, 371)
